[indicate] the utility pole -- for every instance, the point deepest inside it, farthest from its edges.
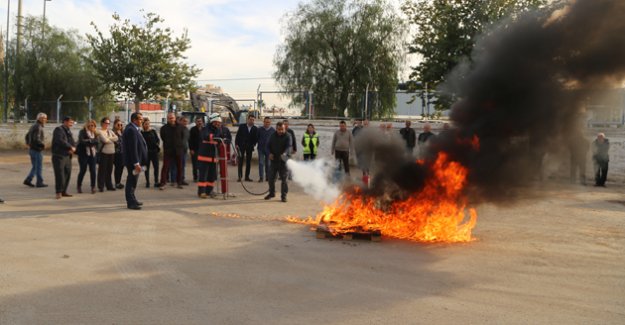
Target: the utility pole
(6, 67)
(43, 25)
(18, 61)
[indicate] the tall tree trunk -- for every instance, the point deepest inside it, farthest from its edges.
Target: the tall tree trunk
(137, 105)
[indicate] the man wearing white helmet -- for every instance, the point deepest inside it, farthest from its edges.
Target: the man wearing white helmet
(207, 157)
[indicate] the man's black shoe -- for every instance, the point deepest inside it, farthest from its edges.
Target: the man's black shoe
(269, 196)
(134, 207)
(260, 180)
(248, 180)
(284, 199)
(1, 201)
(119, 186)
(42, 185)
(184, 183)
(139, 203)
(29, 184)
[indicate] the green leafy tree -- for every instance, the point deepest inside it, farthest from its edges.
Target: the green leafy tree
(446, 32)
(335, 48)
(143, 61)
(49, 67)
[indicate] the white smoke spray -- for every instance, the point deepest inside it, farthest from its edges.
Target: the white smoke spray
(314, 176)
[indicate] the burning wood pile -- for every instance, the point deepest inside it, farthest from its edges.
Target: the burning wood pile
(438, 213)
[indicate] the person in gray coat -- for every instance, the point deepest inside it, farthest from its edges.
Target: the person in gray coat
(35, 139)
(601, 158)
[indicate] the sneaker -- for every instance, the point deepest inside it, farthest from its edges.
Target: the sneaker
(119, 186)
(203, 196)
(184, 183)
(260, 180)
(283, 199)
(28, 183)
(269, 196)
(42, 185)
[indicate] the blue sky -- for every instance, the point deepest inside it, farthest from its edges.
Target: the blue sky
(229, 38)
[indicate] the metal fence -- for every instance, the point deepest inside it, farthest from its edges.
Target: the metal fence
(367, 105)
(268, 103)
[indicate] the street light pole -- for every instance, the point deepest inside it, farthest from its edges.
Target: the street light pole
(43, 25)
(58, 109)
(6, 67)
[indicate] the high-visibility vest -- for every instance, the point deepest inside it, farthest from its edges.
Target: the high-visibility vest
(315, 143)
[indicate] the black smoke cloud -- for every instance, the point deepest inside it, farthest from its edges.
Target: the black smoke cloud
(522, 96)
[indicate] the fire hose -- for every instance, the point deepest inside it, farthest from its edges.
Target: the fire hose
(240, 158)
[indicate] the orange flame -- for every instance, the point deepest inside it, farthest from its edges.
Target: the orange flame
(436, 214)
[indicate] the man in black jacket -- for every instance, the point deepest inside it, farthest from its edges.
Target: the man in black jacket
(409, 136)
(36, 142)
(293, 143)
(135, 156)
(246, 139)
(63, 147)
(195, 136)
(279, 147)
(171, 135)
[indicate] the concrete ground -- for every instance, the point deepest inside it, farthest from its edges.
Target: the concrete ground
(555, 257)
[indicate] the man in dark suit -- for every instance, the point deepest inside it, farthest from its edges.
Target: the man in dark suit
(195, 137)
(246, 139)
(135, 156)
(63, 147)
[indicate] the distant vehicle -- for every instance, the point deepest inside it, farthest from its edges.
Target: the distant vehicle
(223, 104)
(192, 116)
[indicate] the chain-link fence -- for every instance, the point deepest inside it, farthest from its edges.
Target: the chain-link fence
(80, 110)
(360, 105)
(268, 103)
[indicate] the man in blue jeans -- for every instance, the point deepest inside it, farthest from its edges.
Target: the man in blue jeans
(264, 133)
(35, 139)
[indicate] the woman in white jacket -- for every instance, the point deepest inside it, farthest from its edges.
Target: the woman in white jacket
(106, 155)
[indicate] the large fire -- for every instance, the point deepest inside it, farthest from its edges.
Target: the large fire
(436, 214)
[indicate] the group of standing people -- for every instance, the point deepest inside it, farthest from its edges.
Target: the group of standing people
(101, 148)
(343, 142)
(107, 151)
(275, 146)
(94, 147)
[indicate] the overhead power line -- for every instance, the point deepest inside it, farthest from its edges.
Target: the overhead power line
(236, 79)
